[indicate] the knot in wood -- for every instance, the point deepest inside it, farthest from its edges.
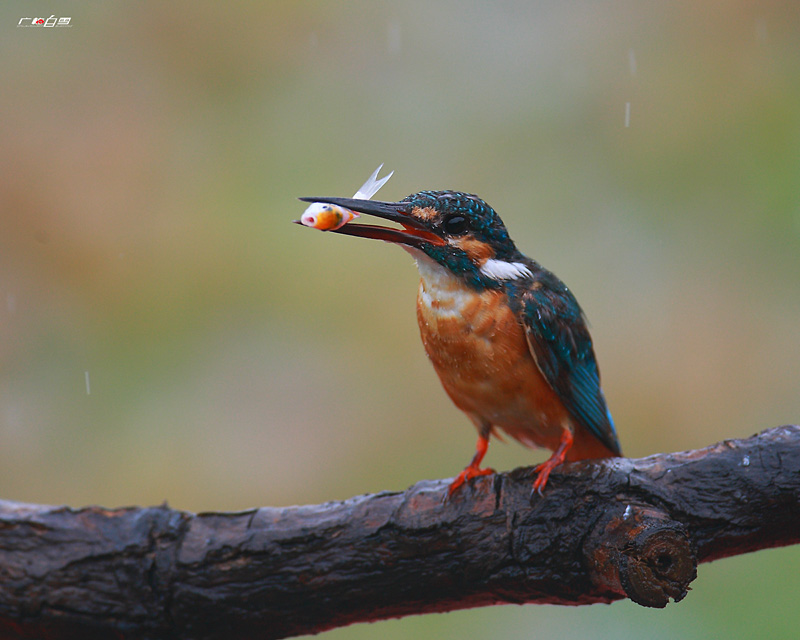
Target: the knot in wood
(642, 553)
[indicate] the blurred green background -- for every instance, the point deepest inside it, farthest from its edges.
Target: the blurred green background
(167, 334)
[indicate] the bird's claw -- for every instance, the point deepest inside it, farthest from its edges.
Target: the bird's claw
(467, 474)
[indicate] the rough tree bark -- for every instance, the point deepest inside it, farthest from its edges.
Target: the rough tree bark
(604, 530)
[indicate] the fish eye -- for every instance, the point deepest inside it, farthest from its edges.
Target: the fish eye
(455, 224)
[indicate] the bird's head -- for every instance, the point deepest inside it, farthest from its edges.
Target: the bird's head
(457, 230)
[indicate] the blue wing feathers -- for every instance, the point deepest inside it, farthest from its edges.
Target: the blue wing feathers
(562, 348)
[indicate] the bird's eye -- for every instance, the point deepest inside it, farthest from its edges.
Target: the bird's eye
(455, 225)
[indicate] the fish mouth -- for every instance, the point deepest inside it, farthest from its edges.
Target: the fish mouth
(414, 232)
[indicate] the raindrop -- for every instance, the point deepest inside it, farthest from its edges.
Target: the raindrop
(393, 42)
(632, 62)
(627, 114)
(627, 513)
(761, 30)
(88, 386)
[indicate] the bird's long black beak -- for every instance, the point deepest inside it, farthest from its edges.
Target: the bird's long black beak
(415, 232)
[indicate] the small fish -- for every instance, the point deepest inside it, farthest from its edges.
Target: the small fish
(328, 217)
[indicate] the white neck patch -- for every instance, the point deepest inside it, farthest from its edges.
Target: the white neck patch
(501, 270)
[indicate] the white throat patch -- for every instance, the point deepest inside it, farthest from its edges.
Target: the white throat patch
(501, 270)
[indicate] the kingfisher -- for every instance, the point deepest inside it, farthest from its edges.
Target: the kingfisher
(506, 337)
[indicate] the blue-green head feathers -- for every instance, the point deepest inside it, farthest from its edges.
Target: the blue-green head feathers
(482, 221)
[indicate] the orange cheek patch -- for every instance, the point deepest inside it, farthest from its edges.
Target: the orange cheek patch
(426, 213)
(477, 251)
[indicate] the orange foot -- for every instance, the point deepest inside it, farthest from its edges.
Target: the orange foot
(467, 474)
(473, 469)
(552, 462)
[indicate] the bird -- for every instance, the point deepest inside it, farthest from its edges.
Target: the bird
(507, 338)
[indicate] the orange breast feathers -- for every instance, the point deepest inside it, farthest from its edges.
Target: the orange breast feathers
(478, 349)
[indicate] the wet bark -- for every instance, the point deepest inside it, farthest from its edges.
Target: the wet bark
(604, 530)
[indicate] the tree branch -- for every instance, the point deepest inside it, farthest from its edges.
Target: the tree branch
(604, 530)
